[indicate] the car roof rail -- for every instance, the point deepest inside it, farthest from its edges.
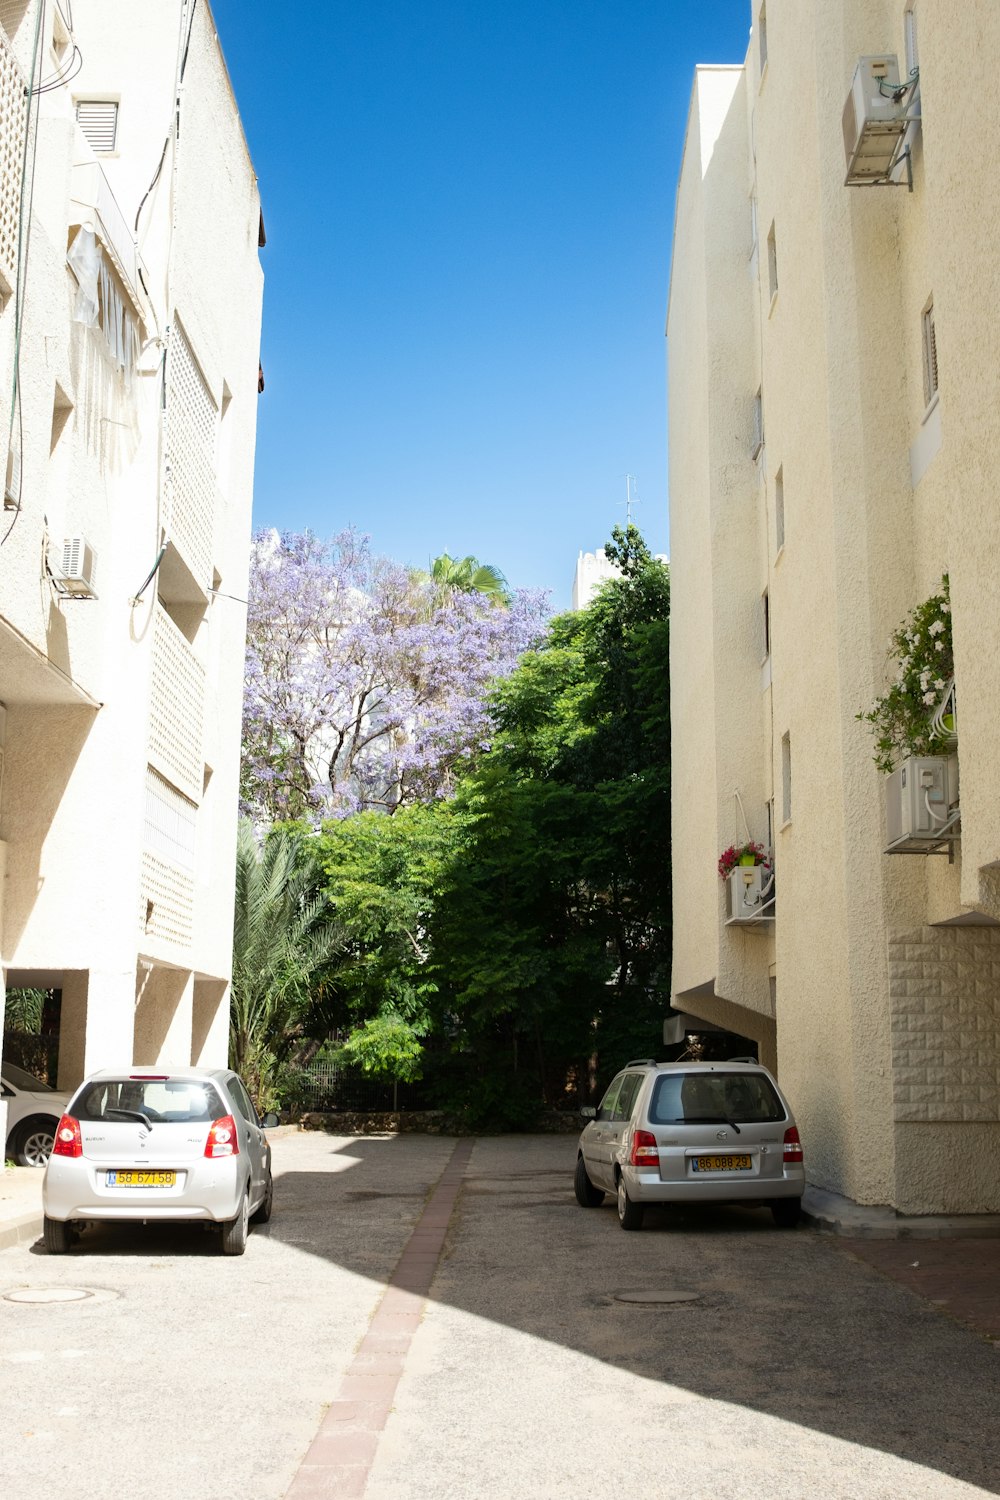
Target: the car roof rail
(641, 1062)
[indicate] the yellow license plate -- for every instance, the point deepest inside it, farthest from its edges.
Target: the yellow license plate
(141, 1179)
(722, 1164)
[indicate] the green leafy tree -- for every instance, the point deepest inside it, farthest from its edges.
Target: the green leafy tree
(552, 934)
(382, 876)
(284, 946)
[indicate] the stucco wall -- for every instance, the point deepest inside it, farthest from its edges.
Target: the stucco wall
(881, 496)
(99, 689)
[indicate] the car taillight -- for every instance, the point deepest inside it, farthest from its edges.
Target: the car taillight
(222, 1138)
(68, 1140)
(645, 1152)
(793, 1146)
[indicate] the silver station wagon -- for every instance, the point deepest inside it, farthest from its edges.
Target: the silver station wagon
(149, 1146)
(718, 1132)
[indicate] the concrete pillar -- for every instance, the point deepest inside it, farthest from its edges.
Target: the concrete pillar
(110, 1020)
(163, 1011)
(72, 1028)
(210, 1029)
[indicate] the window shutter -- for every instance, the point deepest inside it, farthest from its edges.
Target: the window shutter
(98, 119)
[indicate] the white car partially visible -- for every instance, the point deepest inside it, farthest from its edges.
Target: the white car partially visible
(33, 1110)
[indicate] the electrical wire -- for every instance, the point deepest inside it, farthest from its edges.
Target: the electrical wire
(174, 126)
(151, 574)
(68, 73)
(23, 246)
(898, 91)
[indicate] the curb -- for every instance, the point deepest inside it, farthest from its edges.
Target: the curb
(23, 1230)
(830, 1213)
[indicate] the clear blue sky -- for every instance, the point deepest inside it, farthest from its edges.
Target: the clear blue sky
(469, 207)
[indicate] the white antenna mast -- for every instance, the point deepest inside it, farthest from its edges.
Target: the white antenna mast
(629, 502)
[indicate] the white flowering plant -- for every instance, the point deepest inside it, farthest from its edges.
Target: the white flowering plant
(922, 650)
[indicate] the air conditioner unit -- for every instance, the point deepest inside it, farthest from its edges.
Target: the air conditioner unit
(875, 120)
(78, 568)
(12, 480)
(750, 896)
(922, 806)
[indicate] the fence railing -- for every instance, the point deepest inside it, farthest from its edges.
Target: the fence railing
(325, 1086)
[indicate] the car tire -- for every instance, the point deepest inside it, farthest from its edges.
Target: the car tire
(57, 1235)
(630, 1215)
(234, 1233)
(587, 1195)
(262, 1213)
(787, 1212)
(32, 1142)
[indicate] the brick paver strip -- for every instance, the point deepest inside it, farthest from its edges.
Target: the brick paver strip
(961, 1276)
(338, 1462)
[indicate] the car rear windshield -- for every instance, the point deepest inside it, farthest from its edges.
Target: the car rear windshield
(175, 1100)
(686, 1098)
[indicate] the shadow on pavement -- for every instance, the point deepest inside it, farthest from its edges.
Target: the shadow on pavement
(784, 1323)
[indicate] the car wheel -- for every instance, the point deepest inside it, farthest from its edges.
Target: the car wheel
(33, 1142)
(58, 1237)
(234, 1233)
(587, 1195)
(787, 1212)
(262, 1212)
(629, 1213)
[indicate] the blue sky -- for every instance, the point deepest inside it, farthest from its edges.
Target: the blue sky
(468, 207)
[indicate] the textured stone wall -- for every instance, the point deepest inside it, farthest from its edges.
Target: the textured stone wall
(944, 987)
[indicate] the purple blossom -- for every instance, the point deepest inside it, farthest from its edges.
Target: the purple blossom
(360, 690)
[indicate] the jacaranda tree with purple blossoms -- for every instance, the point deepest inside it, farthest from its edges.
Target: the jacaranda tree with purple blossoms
(365, 685)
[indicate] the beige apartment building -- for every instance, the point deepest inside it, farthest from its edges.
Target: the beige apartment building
(834, 413)
(131, 287)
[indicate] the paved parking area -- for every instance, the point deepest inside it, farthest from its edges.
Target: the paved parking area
(793, 1368)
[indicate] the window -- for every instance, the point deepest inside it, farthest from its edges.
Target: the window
(786, 778)
(242, 1099)
(772, 264)
(685, 1099)
(757, 439)
(626, 1099)
(171, 822)
(765, 604)
(753, 225)
(779, 508)
(929, 339)
(98, 119)
(606, 1108)
(762, 38)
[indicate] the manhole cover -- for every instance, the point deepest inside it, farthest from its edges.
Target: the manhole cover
(48, 1294)
(648, 1297)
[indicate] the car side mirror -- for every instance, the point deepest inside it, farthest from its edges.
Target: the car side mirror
(589, 1112)
(269, 1121)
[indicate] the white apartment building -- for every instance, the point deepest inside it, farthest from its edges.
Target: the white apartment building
(834, 413)
(131, 287)
(592, 569)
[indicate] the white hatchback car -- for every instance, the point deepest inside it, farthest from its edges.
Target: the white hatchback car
(150, 1146)
(33, 1110)
(719, 1132)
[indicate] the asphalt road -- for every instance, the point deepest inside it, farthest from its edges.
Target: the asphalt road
(795, 1370)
